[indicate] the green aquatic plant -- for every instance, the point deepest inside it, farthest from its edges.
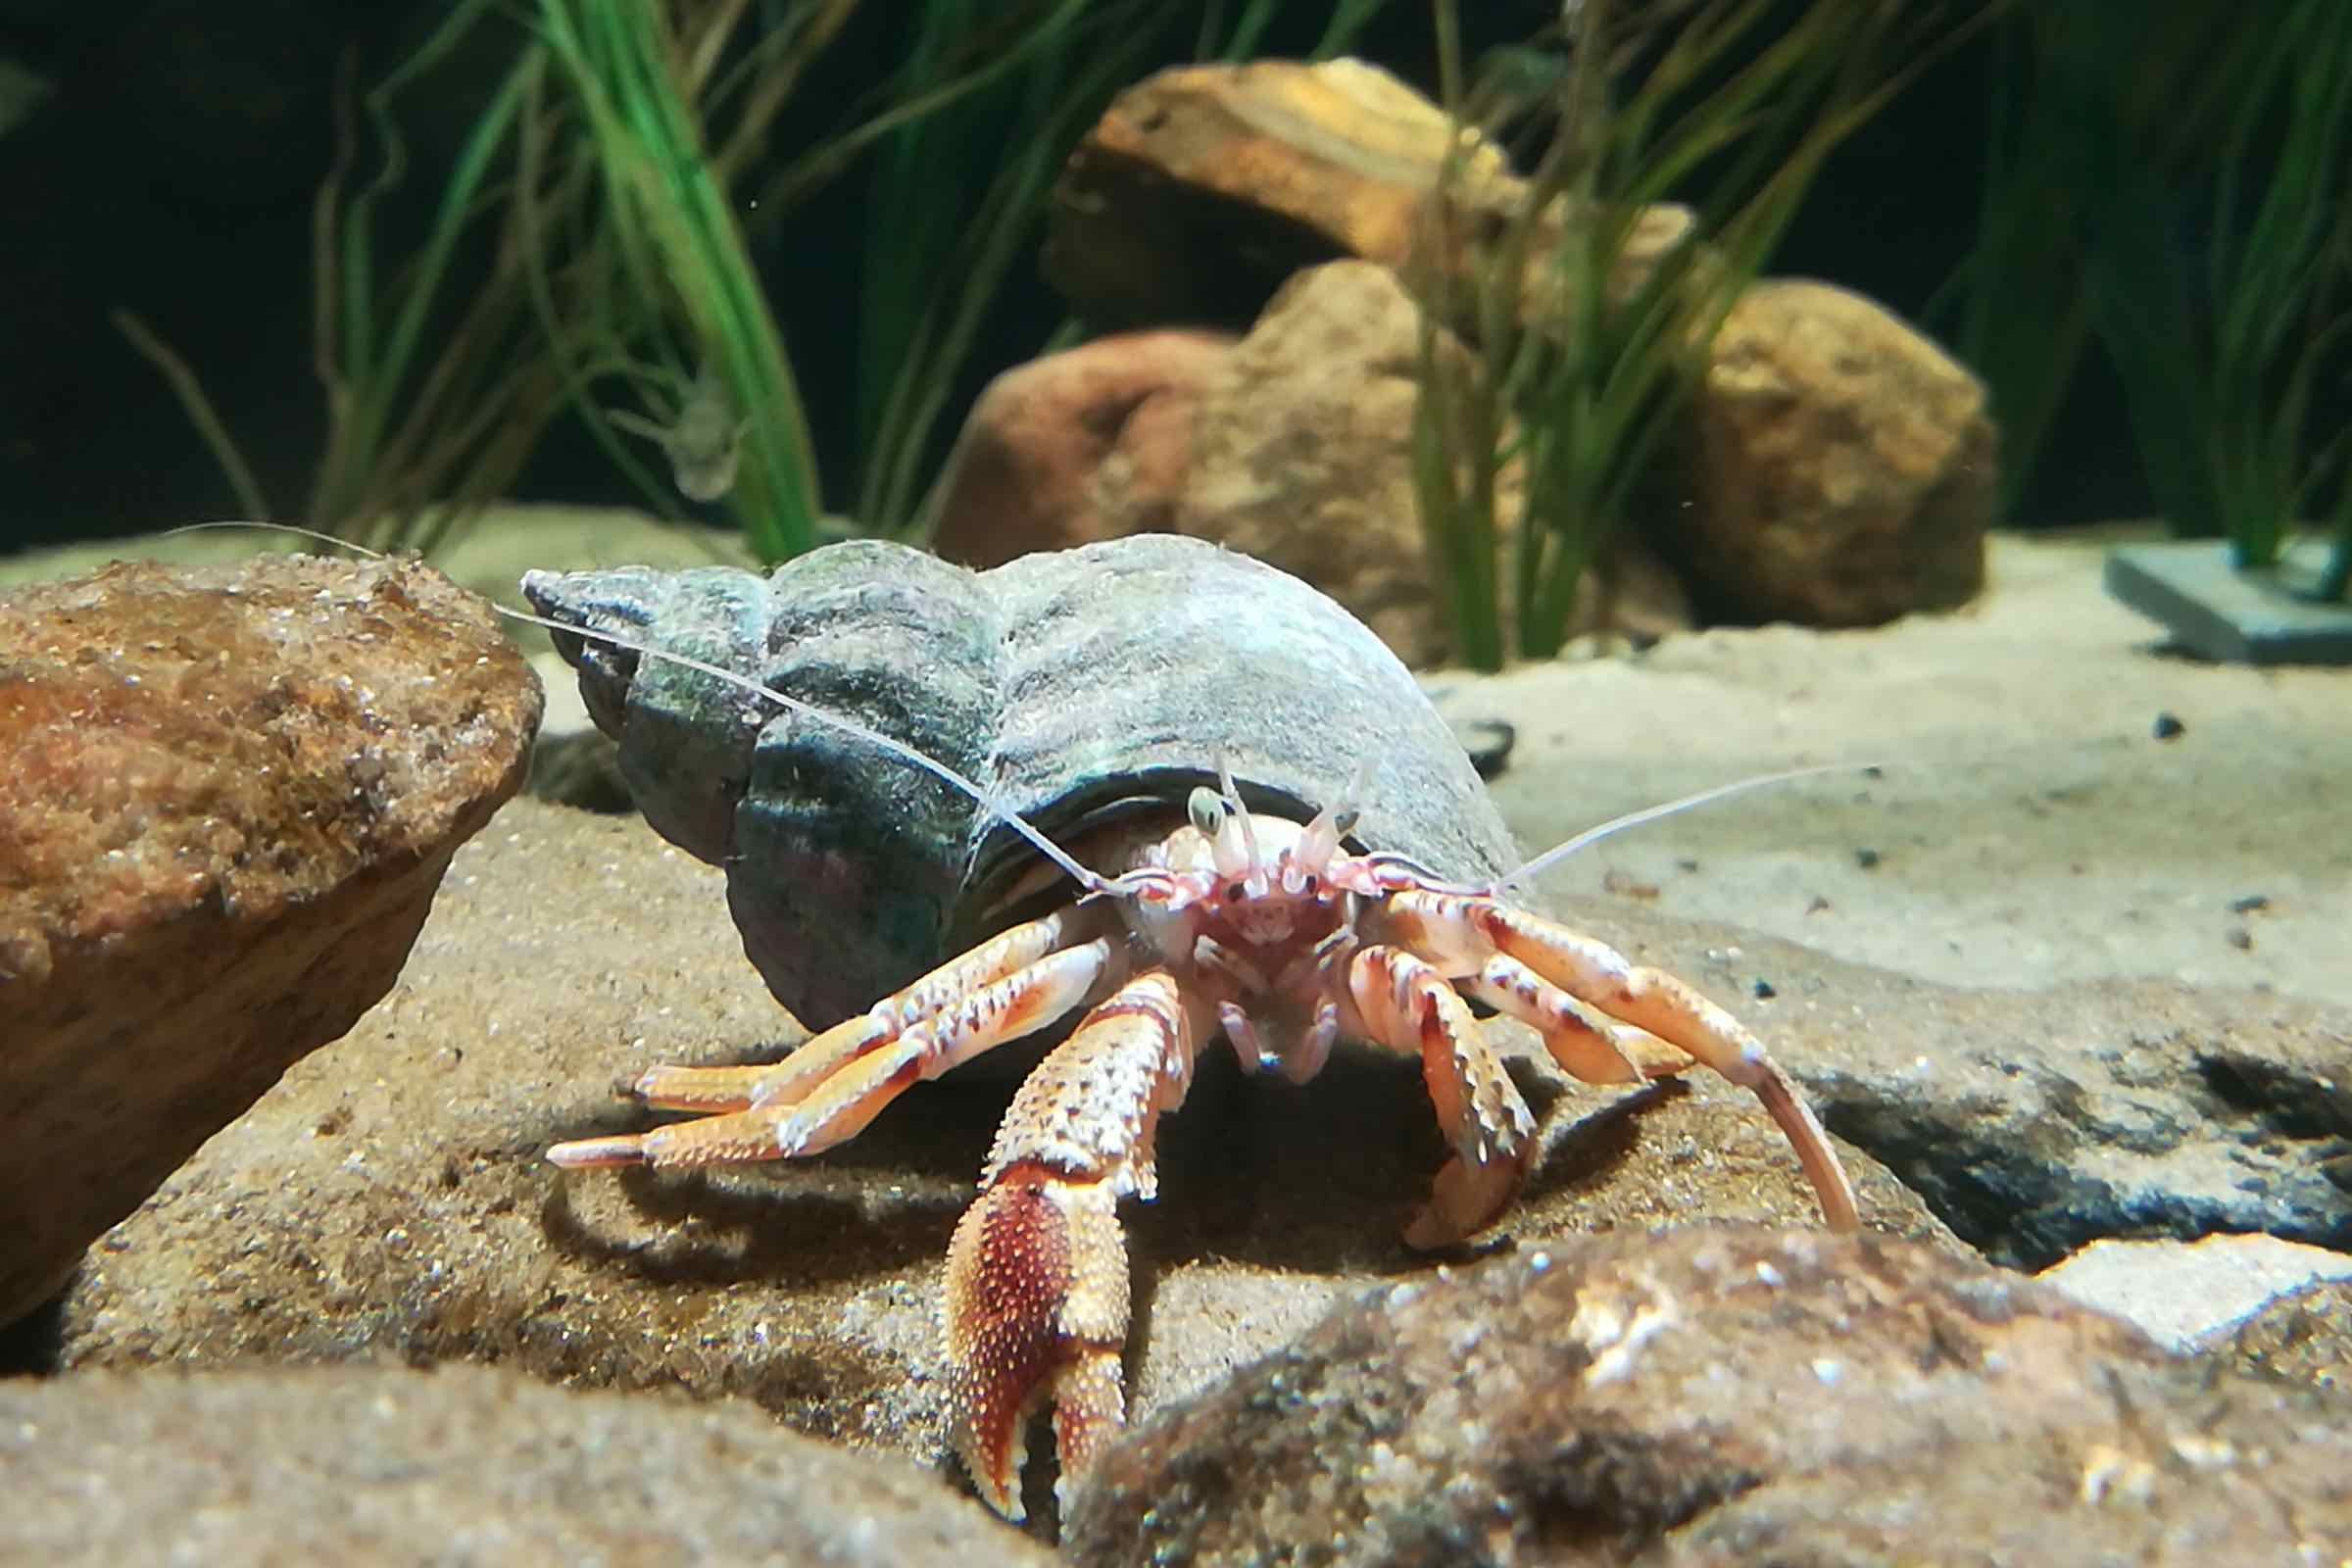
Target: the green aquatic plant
(672, 270)
(425, 385)
(1589, 310)
(2169, 182)
(591, 248)
(986, 114)
(2223, 347)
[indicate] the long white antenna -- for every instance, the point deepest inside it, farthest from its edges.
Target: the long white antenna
(1652, 813)
(1084, 878)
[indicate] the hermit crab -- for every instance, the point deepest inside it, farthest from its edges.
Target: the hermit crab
(1150, 786)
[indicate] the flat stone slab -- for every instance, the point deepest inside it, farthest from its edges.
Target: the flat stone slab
(2220, 612)
(2187, 1295)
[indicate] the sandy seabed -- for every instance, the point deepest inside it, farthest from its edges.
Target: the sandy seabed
(2030, 826)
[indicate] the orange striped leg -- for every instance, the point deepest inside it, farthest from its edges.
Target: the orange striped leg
(1464, 932)
(1036, 1273)
(830, 1088)
(1588, 1044)
(1408, 1006)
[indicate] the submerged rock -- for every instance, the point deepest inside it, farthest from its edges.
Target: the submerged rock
(230, 794)
(466, 1465)
(391, 1198)
(1293, 445)
(2304, 1337)
(1088, 444)
(1840, 468)
(2189, 1295)
(1725, 1395)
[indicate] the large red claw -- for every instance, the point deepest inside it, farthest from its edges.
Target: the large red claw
(1037, 1307)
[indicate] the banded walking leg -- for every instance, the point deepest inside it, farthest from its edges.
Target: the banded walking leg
(1462, 933)
(830, 1088)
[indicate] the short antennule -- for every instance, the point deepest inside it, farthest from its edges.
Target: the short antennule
(1092, 881)
(1593, 835)
(1253, 870)
(1321, 844)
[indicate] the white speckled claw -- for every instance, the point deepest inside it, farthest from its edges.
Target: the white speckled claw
(1406, 1006)
(1037, 1274)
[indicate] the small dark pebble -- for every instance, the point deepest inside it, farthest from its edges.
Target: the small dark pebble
(2250, 903)
(2241, 939)
(1489, 740)
(1866, 858)
(2167, 726)
(1687, 865)
(1763, 991)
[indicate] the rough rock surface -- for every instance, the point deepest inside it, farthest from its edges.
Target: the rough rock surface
(1293, 445)
(1203, 190)
(374, 1465)
(1840, 468)
(2304, 1337)
(231, 795)
(1727, 1396)
(2034, 1122)
(1083, 445)
(390, 1197)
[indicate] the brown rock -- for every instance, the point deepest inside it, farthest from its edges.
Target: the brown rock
(1842, 470)
(1293, 445)
(2306, 1338)
(1204, 187)
(389, 1198)
(1088, 444)
(231, 795)
(1726, 1396)
(1303, 457)
(373, 1465)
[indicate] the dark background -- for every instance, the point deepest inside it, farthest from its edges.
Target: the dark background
(172, 171)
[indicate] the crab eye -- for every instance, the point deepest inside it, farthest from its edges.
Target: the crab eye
(1312, 885)
(1206, 808)
(1345, 822)
(1232, 891)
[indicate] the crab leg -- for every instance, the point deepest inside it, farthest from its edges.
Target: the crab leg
(1405, 1005)
(710, 1090)
(833, 1086)
(1588, 1044)
(1036, 1273)
(1462, 934)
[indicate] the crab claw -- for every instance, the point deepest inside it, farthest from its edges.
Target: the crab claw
(1036, 1308)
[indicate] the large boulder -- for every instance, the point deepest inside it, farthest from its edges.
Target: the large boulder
(390, 1200)
(230, 797)
(1293, 445)
(1840, 468)
(1728, 1395)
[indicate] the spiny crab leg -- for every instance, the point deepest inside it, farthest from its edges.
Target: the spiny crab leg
(1587, 1044)
(836, 1083)
(1036, 1273)
(1462, 933)
(1407, 1006)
